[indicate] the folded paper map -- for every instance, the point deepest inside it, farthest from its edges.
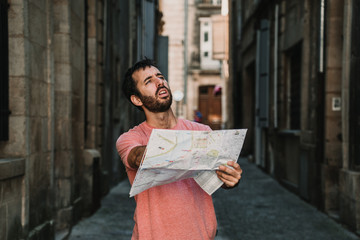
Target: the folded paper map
(173, 155)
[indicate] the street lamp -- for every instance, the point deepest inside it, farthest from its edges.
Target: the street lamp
(178, 96)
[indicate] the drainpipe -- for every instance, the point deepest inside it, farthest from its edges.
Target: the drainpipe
(276, 33)
(185, 49)
(322, 36)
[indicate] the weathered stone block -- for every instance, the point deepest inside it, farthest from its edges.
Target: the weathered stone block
(11, 189)
(92, 88)
(333, 80)
(330, 187)
(11, 208)
(46, 136)
(17, 57)
(64, 164)
(92, 46)
(41, 4)
(18, 94)
(62, 77)
(349, 182)
(63, 193)
(35, 98)
(77, 56)
(91, 24)
(62, 50)
(63, 218)
(38, 65)
(91, 113)
(77, 7)
(37, 25)
(63, 101)
(14, 227)
(78, 135)
(16, 19)
(348, 211)
(333, 154)
(63, 134)
(39, 179)
(61, 17)
(35, 134)
(77, 29)
(77, 108)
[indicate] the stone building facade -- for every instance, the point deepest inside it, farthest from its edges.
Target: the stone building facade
(294, 66)
(62, 109)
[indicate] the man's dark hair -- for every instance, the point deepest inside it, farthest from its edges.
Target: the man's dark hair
(129, 84)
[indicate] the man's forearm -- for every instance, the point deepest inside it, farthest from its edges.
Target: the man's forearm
(135, 156)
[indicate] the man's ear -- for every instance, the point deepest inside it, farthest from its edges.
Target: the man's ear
(136, 100)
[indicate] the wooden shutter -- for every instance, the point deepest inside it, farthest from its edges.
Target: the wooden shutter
(4, 72)
(262, 73)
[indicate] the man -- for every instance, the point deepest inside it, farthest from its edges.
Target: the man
(178, 210)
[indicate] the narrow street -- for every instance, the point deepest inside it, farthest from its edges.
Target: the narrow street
(259, 208)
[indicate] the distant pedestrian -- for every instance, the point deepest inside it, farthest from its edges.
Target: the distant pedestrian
(178, 210)
(197, 116)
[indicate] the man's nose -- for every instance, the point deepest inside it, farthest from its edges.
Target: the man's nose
(159, 82)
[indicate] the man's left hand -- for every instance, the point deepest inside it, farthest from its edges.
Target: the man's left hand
(230, 175)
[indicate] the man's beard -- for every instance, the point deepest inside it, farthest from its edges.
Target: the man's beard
(154, 105)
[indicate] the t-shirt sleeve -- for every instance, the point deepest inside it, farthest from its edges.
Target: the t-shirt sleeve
(125, 143)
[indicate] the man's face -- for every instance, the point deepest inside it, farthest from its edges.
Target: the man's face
(154, 90)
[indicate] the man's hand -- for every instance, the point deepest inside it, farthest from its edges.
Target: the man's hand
(135, 156)
(229, 175)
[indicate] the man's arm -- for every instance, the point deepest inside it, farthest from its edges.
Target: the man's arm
(135, 156)
(230, 175)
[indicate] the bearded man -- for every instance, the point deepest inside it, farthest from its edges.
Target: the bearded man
(178, 210)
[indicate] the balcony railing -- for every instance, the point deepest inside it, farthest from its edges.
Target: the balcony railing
(211, 2)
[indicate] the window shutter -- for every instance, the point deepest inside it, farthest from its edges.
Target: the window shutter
(262, 72)
(4, 72)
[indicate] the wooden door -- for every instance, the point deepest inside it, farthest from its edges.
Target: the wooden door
(210, 106)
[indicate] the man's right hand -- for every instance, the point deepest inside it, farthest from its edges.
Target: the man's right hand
(135, 156)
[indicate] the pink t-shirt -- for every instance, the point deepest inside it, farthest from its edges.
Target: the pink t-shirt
(178, 210)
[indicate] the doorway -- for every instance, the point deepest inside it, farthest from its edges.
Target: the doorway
(210, 106)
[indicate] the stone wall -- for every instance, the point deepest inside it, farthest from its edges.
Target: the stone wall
(60, 160)
(314, 161)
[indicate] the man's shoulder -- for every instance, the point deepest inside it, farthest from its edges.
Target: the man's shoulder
(136, 135)
(135, 131)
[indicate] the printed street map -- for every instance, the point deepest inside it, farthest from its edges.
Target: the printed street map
(173, 155)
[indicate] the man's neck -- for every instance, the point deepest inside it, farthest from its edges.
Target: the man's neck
(164, 120)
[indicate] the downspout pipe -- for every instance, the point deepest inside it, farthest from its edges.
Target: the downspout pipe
(276, 35)
(185, 49)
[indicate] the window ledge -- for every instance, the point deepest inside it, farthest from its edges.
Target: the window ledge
(208, 6)
(11, 167)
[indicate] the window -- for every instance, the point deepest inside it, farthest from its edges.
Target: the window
(206, 36)
(4, 72)
(216, 2)
(206, 45)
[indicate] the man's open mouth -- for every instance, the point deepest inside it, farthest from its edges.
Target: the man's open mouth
(162, 92)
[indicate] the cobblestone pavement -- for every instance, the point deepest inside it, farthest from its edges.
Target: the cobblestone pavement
(259, 208)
